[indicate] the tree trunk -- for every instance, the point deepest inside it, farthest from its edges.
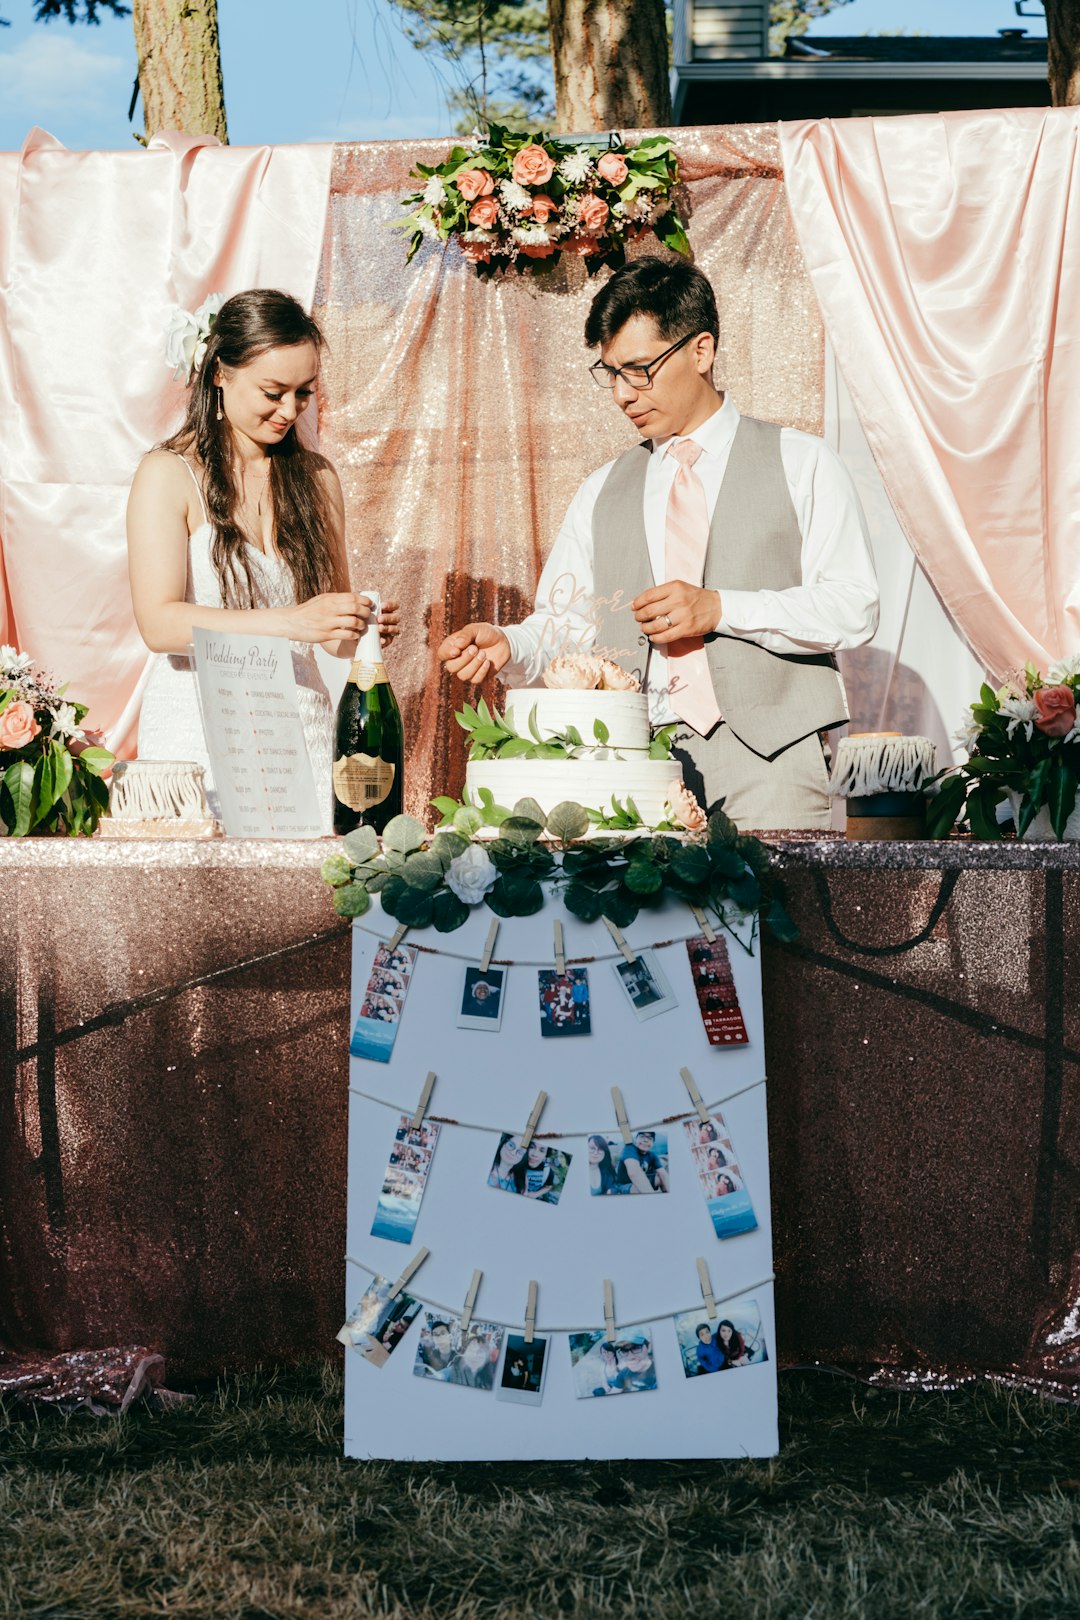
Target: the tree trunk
(611, 64)
(1063, 51)
(180, 67)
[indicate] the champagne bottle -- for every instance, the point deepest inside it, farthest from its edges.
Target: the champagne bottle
(369, 749)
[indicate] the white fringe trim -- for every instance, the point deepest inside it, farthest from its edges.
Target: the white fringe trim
(143, 788)
(866, 765)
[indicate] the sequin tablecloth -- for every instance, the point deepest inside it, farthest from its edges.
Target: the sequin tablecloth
(173, 1077)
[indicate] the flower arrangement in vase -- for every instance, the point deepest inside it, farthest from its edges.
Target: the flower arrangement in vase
(516, 199)
(50, 769)
(1023, 744)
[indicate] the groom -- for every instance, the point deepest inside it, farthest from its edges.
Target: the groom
(722, 559)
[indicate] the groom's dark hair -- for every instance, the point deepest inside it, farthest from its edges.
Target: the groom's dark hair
(677, 296)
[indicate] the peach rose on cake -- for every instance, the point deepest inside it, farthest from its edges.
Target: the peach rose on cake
(573, 673)
(612, 168)
(1055, 710)
(532, 166)
(685, 809)
(613, 678)
(592, 213)
(484, 212)
(474, 183)
(18, 725)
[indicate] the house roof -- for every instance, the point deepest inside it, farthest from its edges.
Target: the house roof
(914, 48)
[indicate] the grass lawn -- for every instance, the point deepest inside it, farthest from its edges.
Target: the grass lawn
(240, 1507)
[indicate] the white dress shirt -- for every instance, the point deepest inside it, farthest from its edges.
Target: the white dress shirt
(835, 607)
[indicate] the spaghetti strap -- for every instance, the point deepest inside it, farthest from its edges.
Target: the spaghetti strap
(195, 481)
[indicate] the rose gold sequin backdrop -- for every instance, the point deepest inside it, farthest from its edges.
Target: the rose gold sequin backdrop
(460, 416)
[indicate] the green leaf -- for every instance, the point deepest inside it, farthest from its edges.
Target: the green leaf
(45, 794)
(600, 732)
(1061, 795)
(725, 862)
(516, 748)
(643, 877)
(574, 737)
(445, 806)
(721, 830)
(448, 912)
(692, 864)
(351, 900)
(531, 811)
(495, 814)
(583, 902)
(468, 820)
(447, 846)
(392, 890)
(533, 727)
(515, 894)
(670, 231)
(404, 833)
(982, 812)
(780, 923)
(619, 907)
(414, 908)
(1035, 797)
(567, 821)
(423, 870)
(19, 781)
(744, 891)
(96, 760)
(520, 830)
(944, 806)
(336, 870)
(361, 844)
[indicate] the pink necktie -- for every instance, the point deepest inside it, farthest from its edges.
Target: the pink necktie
(691, 690)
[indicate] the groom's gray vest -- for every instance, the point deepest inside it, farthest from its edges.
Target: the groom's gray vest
(770, 700)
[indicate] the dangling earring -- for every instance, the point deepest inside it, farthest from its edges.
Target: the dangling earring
(220, 403)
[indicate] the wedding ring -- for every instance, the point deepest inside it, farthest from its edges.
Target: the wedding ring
(667, 617)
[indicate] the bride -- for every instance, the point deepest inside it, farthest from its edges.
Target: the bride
(234, 525)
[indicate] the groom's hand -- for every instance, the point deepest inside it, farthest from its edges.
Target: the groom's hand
(474, 652)
(676, 610)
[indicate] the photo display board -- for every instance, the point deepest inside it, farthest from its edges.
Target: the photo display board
(679, 1211)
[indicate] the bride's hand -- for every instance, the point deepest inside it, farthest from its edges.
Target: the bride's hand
(333, 616)
(388, 620)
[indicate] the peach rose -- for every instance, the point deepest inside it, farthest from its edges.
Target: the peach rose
(612, 168)
(475, 183)
(543, 207)
(573, 672)
(613, 678)
(477, 252)
(587, 246)
(592, 213)
(532, 166)
(484, 212)
(685, 809)
(17, 725)
(1055, 710)
(538, 250)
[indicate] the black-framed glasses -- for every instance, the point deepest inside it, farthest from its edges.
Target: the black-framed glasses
(638, 377)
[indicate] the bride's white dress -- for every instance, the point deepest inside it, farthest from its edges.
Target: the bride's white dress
(170, 725)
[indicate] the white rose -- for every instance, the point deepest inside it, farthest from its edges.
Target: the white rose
(206, 314)
(181, 341)
(471, 874)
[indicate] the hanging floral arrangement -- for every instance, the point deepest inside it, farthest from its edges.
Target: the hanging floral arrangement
(518, 199)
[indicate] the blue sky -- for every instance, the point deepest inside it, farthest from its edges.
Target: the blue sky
(342, 72)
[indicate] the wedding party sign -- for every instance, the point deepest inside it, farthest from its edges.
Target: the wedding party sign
(255, 737)
(609, 1196)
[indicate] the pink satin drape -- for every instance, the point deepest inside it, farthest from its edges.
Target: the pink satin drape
(945, 254)
(95, 249)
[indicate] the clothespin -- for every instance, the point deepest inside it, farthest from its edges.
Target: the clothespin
(414, 1265)
(560, 954)
(489, 945)
(470, 1301)
(704, 924)
(534, 1119)
(609, 1311)
(617, 935)
(695, 1095)
(620, 1114)
(425, 1098)
(530, 1314)
(706, 1290)
(398, 935)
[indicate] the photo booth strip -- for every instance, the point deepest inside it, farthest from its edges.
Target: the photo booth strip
(714, 988)
(407, 1170)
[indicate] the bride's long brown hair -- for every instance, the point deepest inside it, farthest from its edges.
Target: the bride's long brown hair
(247, 325)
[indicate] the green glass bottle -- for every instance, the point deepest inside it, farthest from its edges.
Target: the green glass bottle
(369, 752)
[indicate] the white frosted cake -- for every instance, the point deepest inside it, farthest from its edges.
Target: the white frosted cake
(620, 768)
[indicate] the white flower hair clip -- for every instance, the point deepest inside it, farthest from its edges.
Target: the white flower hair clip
(187, 335)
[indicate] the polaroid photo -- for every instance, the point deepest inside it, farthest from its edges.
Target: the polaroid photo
(638, 1166)
(730, 1208)
(482, 998)
(537, 1172)
(647, 990)
(564, 1002)
(384, 999)
(523, 1371)
(734, 1339)
(603, 1366)
(406, 1177)
(450, 1354)
(378, 1324)
(714, 986)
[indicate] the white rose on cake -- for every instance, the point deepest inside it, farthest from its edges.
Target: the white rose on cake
(471, 874)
